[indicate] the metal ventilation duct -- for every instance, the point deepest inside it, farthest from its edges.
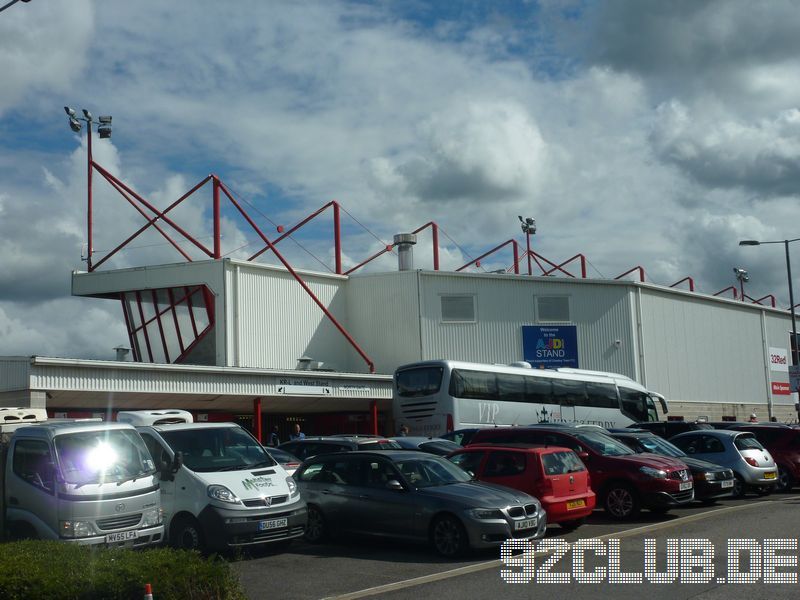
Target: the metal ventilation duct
(404, 242)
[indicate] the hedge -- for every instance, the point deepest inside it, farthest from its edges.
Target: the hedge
(33, 570)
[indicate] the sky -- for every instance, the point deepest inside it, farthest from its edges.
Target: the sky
(635, 132)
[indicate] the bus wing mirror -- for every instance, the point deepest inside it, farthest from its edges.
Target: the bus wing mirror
(662, 401)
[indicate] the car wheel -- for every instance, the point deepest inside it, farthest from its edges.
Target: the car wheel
(785, 481)
(572, 525)
(621, 501)
(739, 488)
(449, 536)
(316, 530)
(186, 534)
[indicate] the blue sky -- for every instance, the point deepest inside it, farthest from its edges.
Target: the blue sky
(635, 132)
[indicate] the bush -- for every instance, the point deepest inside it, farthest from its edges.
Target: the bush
(33, 570)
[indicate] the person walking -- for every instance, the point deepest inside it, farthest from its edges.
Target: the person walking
(403, 431)
(274, 438)
(297, 435)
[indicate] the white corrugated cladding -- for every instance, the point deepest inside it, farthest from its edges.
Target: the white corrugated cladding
(383, 314)
(504, 303)
(272, 321)
(705, 349)
(15, 371)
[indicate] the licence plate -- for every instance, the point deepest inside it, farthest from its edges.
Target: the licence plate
(727, 484)
(526, 524)
(573, 504)
(686, 486)
(122, 536)
(273, 524)
(770, 475)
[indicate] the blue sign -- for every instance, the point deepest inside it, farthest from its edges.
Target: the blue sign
(550, 347)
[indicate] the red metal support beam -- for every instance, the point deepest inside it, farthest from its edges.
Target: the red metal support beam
(388, 248)
(89, 208)
(434, 241)
(629, 271)
(291, 230)
(337, 238)
(536, 256)
(560, 266)
(257, 418)
(373, 409)
(689, 279)
(476, 261)
(730, 287)
(771, 298)
(317, 301)
(217, 237)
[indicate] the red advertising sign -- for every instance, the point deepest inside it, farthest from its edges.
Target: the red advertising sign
(780, 389)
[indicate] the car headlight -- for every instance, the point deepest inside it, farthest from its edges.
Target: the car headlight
(152, 517)
(655, 473)
(223, 494)
(75, 529)
(292, 486)
(486, 513)
(707, 475)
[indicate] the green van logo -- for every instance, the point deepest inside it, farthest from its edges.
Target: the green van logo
(256, 483)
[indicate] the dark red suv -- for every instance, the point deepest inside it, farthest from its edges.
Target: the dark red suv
(783, 443)
(624, 481)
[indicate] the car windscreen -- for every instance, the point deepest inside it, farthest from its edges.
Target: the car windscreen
(603, 444)
(217, 449)
(658, 445)
(282, 456)
(440, 447)
(422, 472)
(112, 455)
(747, 442)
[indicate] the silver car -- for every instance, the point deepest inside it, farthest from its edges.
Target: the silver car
(752, 464)
(415, 496)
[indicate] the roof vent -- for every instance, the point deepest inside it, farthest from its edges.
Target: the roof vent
(404, 242)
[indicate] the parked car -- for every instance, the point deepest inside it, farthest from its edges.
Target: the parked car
(413, 496)
(667, 429)
(752, 465)
(288, 461)
(783, 443)
(711, 481)
(556, 476)
(461, 437)
(623, 480)
(311, 446)
(436, 446)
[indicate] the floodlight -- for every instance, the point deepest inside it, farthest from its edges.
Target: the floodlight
(74, 124)
(104, 131)
(87, 114)
(105, 119)
(71, 112)
(749, 243)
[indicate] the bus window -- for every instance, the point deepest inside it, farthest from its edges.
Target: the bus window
(567, 392)
(423, 381)
(601, 395)
(473, 384)
(635, 405)
(510, 388)
(539, 390)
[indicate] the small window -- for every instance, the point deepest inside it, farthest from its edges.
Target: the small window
(473, 384)
(505, 464)
(34, 464)
(552, 309)
(601, 395)
(561, 463)
(458, 309)
(469, 461)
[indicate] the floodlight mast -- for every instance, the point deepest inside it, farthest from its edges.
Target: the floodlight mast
(104, 129)
(528, 228)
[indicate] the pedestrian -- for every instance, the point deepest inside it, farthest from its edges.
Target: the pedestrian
(297, 435)
(403, 430)
(753, 418)
(274, 438)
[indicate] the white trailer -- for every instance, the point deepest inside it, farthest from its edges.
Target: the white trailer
(85, 482)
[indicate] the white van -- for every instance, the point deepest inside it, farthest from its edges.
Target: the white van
(219, 487)
(85, 482)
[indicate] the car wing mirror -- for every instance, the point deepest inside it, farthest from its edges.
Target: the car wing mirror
(394, 485)
(177, 463)
(584, 456)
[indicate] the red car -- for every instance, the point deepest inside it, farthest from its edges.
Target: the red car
(623, 480)
(556, 476)
(783, 443)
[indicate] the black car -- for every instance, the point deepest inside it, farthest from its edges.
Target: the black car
(311, 446)
(461, 437)
(437, 446)
(711, 481)
(668, 429)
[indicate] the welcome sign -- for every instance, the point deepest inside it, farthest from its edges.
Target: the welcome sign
(550, 347)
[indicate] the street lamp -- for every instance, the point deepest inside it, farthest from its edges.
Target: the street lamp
(528, 228)
(742, 276)
(104, 129)
(785, 243)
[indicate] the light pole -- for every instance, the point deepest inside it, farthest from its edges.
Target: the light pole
(528, 228)
(742, 276)
(104, 129)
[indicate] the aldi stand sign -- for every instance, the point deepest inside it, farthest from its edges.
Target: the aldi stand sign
(550, 347)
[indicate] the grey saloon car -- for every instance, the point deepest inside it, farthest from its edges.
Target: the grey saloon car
(414, 496)
(753, 466)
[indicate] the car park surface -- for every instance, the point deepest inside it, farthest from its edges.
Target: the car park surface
(711, 481)
(556, 476)
(752, 464)
(413, 496)
(623, 480)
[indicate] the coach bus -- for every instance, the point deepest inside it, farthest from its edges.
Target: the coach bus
(434, 397)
